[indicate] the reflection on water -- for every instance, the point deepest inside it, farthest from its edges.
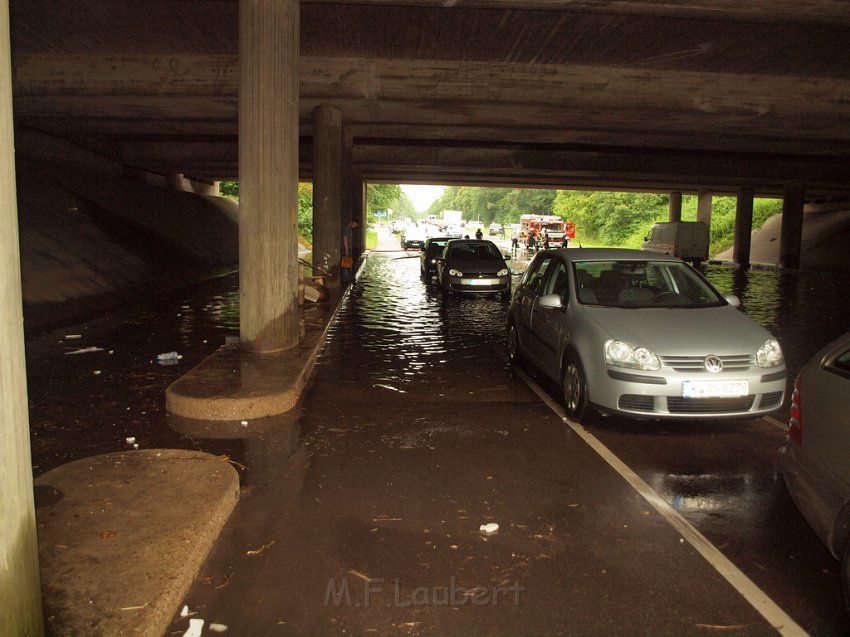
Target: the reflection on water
(805, 310)
(404, 327)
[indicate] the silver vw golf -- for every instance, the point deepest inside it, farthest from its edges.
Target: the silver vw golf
(645, 336)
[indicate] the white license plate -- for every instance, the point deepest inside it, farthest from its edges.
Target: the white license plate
(479, 281)
(714, 388)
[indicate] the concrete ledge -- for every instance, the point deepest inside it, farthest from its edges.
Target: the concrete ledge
(235, 385)
(122, 536)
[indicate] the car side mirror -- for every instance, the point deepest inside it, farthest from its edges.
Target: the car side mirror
(551, 301)
(506, 257)
(732, 300)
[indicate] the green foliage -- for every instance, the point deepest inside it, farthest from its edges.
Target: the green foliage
(305, 213)
(229, 189)
(489, 205)
(381, 197)
(611, 218)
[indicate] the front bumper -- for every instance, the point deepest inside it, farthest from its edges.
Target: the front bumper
(479, 284)
(662, 396)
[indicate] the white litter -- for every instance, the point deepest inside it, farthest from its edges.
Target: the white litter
(130, 441)
(185, 611)
(85, 350)
(168, 358)
(70, 337)
(489, 529)
(218, 628)
(196, 626)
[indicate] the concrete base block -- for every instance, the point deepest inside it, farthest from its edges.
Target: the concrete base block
(122, 536)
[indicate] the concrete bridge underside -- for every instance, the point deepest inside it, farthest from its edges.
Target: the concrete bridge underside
(748, 98)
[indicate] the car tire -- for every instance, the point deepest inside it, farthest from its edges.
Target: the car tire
(514, 352)
(576, 401)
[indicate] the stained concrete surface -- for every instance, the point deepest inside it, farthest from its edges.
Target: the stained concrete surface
(122, 535)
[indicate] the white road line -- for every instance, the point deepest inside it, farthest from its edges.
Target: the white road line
(757, 598)
(776, 423)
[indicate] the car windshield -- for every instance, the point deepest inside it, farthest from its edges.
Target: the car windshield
(473, 252)
(640, 284)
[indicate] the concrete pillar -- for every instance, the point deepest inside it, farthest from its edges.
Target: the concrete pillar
(327, 190)
(704, 207)
(348, 177)
(358, 206)
(20, 582)
(791, 236)
(743, 227)
(268, 174)
(675, 208)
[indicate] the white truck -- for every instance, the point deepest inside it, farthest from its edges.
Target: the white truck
(687, 240)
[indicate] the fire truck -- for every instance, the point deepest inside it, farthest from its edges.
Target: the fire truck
(556, 228)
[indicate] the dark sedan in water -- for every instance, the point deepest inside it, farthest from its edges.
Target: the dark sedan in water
(474, 266)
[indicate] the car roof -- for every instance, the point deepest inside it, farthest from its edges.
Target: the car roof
(611, 254)
(473, 241)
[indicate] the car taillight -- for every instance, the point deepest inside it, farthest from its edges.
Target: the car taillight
(795, 424)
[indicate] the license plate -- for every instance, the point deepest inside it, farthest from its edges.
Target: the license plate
(479, 281)
(714, 388)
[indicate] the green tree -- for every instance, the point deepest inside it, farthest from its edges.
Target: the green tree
(381, 197)
(229, 189)
(305, 212)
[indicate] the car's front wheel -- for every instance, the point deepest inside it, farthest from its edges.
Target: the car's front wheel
(575, 388)
(514, 353)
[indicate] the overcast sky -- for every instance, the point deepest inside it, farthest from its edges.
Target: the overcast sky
(422, 196)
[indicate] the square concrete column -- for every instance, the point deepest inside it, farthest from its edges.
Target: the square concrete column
(743, 227)
(674, 212)
(268, 174)
(704, 207)
(20, 582)
(327, 190)
(791, 235)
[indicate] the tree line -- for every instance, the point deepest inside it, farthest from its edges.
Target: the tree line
(601, 218)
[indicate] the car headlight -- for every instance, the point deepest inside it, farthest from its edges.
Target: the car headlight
(502, 272)
(622, 354)
(453, 272)
(770, 354)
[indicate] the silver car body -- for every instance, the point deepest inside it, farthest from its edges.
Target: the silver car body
(704, 347)
(815, 460)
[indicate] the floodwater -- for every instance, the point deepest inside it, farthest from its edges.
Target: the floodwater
(414, 432)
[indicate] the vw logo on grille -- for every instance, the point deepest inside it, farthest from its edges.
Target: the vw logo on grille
(713, 364)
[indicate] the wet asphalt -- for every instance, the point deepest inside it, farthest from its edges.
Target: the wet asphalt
(361, 513)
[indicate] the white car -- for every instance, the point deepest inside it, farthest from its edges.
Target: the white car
(642, 335)
(815, 460)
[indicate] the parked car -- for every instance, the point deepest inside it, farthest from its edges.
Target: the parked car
(476, 266)
(815, 460)
(413, 237)
(431, 251)
(642, 335)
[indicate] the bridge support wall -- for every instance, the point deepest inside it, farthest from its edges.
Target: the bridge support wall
(20, 582)
(791, 237)
(674, 212)
(743, 227)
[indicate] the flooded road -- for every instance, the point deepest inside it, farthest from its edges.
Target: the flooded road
(361, 513)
